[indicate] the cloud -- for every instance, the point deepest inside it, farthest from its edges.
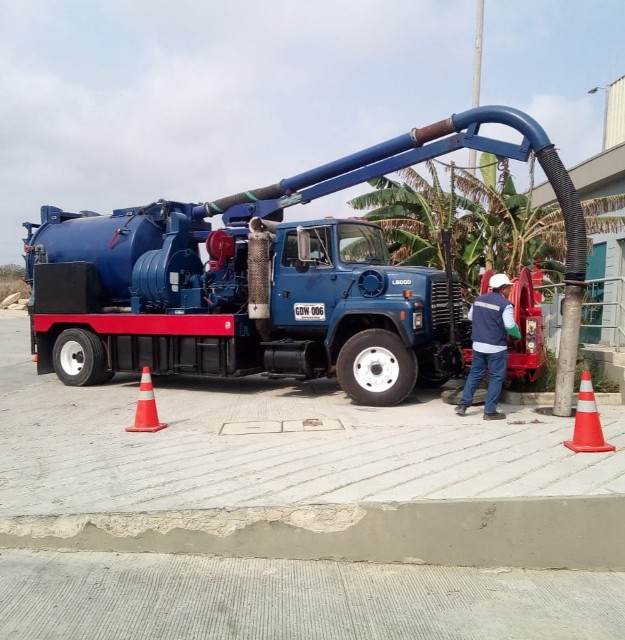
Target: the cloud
(570, 124)
(119, 103)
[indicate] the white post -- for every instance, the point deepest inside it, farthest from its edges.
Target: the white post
(477, 72)
(605, 117)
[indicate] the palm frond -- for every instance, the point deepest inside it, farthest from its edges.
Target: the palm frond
(609, 224)
(473, 251)
(425, 258)
(415, 180)
(606, 204)
(392, 211)
(492, 224)
(414, 227)
(480, 193)
(488, 169)
(385, 196)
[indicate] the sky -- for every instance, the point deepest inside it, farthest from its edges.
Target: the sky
(106, 104)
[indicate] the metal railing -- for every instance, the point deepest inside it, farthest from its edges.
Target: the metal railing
(618, 326)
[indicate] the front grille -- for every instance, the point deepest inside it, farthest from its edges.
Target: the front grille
(440, 304)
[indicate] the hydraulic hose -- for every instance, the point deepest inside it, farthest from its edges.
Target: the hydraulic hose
(245, 197)
(574, 278)
(574, 223)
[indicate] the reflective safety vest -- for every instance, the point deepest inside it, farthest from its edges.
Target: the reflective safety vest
(488, 326)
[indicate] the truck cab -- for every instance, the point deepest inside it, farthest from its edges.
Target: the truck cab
(332, 280)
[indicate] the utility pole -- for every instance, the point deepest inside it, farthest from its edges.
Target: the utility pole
(606, 106)
(477, 72)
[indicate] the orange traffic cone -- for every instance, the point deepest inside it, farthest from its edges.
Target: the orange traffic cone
(146, 418)
(587, 435)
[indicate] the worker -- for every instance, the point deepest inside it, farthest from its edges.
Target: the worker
(492, 316)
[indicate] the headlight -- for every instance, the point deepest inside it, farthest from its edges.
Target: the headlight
(417, 320)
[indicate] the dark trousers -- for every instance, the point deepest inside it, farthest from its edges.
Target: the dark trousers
(497, 365)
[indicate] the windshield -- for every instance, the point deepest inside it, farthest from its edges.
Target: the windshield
(364, 244)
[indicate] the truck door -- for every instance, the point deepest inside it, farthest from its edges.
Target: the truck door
(304, 294)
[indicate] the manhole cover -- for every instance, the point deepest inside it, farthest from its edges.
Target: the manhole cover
(273, 426)
(247, 428)
(311, 424)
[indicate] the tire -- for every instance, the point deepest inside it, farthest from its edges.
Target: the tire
(79, 358)
(375, 368)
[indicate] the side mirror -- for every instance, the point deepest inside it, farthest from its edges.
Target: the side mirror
(303, 245)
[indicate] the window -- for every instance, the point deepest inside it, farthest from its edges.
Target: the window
(319, 247)
(359, 243)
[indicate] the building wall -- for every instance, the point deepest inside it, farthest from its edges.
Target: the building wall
(615, 114)
(601, 175)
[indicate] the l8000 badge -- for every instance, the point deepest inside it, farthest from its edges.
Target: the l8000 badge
(310, 311)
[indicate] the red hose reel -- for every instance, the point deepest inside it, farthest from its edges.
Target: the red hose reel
(220, 248)
(527, 357)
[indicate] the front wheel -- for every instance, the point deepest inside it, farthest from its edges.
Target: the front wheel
(375, 368)
(79, 358)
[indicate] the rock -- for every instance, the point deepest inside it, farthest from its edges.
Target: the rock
(17, 307)
(10, 299)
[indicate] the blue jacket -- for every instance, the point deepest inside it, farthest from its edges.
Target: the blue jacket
(488, 326)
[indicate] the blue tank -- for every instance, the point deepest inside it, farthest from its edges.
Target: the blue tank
(113, 243)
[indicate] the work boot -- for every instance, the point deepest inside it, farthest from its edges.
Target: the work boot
(461, 409)
(494, 416)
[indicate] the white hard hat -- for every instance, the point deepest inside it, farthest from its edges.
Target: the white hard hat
(499, 280)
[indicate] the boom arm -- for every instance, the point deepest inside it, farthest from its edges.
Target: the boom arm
(417, 146)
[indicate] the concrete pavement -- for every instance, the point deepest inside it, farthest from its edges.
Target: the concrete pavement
(104, 596)
(262, 468)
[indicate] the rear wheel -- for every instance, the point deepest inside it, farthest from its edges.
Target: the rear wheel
(375, 368)
(79, 358)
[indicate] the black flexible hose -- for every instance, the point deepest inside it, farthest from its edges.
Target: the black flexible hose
(574, 222)
(245, 197)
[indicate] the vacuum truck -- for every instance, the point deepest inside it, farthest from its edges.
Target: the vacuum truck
(301, 300)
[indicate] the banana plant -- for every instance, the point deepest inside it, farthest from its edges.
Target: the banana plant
(493, 226)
